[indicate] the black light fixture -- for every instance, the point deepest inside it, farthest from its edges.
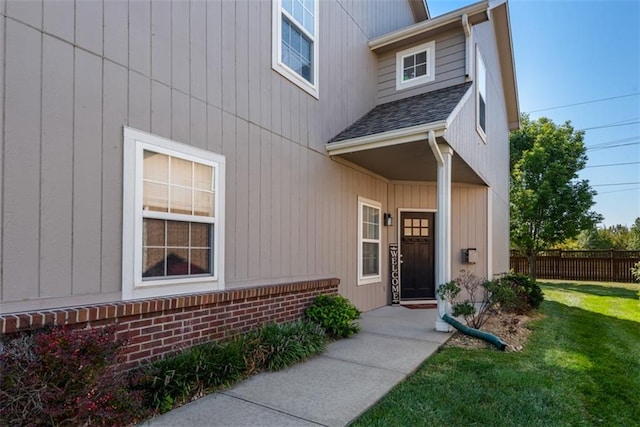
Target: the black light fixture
(388, 220)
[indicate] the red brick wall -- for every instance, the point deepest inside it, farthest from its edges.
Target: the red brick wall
(158, 326)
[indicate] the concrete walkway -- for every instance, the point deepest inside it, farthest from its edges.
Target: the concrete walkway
(329, 390)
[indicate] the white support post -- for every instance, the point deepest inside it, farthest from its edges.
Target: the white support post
(443, 227)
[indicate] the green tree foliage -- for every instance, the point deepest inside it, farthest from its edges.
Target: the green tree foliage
(549, 204)
(616, 237)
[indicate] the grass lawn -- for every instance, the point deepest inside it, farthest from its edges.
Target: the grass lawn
(580, 367)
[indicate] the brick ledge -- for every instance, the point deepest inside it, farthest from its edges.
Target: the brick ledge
(16, 322)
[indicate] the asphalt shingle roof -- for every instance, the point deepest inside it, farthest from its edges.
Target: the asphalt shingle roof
(417, 110)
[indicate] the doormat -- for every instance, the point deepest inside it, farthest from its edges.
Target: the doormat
(426, 305)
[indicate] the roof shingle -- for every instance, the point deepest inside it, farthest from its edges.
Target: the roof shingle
(417, 110)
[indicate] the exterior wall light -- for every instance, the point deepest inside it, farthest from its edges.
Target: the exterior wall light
(388, 220)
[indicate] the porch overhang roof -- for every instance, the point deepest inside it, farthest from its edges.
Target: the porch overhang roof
(392, 139)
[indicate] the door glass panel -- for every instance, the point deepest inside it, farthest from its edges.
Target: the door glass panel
(407, 231)
(416, 223)
(407, 222)
(424, 222)
(424, 232)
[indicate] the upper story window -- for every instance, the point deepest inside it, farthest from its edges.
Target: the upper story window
(295, 45)
(481, 96)
(416, 66)
(369, 242)
(172, 218)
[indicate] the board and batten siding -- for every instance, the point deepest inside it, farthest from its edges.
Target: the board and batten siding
(196, 72)
(450, 68)
(468, 218)
(489, 159)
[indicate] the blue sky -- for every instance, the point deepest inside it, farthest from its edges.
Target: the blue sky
(571, 52)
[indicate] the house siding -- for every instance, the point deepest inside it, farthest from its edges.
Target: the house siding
(199, 73)
(489, 159)
(468, 219)
(450, 68)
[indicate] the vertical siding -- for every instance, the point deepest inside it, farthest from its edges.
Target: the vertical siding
(491, 159)
(56, 199)
(87, 173)
(200, 73)
(450, 68)
(114, 116)
(468, 218)
(21, 216)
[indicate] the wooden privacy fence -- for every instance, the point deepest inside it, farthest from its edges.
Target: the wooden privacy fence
(605, 266)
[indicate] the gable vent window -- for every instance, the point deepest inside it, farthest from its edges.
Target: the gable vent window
(415, 66)
(481, 97)
(295, 46)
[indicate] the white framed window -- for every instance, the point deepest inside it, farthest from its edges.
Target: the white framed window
(481, 96)
(295, 42)
(416, 65)
(173, 217)
(369, 242)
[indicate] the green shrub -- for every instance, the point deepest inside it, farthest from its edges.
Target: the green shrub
(290, 343)
(481, 297)
(527, 295)
(335, 314)
(635, 271)
(178, 378)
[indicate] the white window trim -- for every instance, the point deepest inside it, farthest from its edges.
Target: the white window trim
(478, 86)
(430, 48)
(367, 280)
(276, 50)
(133, 287)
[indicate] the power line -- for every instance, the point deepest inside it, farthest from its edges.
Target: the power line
(620, 191)
(585, 102)
(613, 146)
(600, 144)
(612, 164)
(610, 126)
(617, 183)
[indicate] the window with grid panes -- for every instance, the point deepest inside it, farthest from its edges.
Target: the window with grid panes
(369, 243)
(295, 42)
(171, 244)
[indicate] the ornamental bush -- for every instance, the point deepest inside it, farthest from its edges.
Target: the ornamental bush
(61, 376)
(335, 314)
(527, 295)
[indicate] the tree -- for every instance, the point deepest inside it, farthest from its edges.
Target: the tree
(549, 204)
(634, 236)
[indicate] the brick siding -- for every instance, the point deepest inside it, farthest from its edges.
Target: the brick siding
(157, 326)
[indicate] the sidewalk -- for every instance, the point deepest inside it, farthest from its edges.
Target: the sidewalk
(329, 390)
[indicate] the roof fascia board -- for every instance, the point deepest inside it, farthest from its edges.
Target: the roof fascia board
(501, 22)
(386, 139)
(425, 27)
